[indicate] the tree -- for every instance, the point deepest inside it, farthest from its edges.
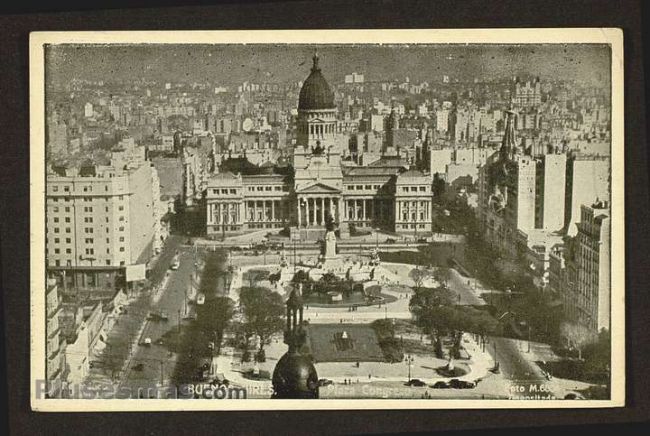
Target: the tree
(256, 275)
(263, 312)
(442, 275)
(418, 276)
(577, 336)
(214, 315)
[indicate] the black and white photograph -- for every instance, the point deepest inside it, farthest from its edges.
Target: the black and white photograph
(327, 219)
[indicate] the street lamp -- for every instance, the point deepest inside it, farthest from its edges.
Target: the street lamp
(409, 362)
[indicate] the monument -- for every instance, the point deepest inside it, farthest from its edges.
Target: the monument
(329, 258)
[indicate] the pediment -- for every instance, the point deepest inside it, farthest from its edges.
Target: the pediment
(319, 188)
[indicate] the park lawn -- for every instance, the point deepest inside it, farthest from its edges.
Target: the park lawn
(365, 346)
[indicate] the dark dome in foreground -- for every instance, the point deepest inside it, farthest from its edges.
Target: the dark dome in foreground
(316, 93)
(295, 377)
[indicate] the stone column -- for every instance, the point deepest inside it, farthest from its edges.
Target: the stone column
(299, 207)
(363, 210)
(307, 219)
(272, 210)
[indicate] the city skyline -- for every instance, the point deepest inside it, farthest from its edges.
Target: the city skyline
(231, 63)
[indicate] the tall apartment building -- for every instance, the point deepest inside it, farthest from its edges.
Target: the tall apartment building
(55, 363)
(550, 192)
(588, 177)
(101, 219)
(580, 270)
(593, 284)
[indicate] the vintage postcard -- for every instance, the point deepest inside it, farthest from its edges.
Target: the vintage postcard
(357, 219)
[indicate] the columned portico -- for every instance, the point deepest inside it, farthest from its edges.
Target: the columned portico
(313, 209)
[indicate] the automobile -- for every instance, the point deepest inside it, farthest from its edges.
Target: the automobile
(147, 341)
(573, 396)
(325, 382)
(415, 382)
(175, 264)
(422, 240)
(441, 385)
(158, 316)
(390, 241)
(200, 299)
(461, 384)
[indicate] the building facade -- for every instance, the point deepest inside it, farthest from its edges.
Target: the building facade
(55, 364)
(321, 186)
(101, 219)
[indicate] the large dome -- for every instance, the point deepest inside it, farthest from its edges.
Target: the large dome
(316, 93)
(295, 377)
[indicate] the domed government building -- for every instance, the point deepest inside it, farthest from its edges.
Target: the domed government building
(385, 194)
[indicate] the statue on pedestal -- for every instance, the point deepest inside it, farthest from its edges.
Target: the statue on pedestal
(329, 245)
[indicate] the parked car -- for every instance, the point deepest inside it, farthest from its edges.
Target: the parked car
(200, 299)
(415, 382)
(325, 382)
(147, 341)
(138, 367)
(390, 241)
(440, 385)
(422, 240)
(461, 384)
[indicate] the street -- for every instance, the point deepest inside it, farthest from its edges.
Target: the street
(154, 363)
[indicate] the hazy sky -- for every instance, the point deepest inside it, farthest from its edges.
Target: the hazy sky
(229, 64)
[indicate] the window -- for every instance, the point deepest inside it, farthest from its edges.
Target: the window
(121, 249)
(55, 188)
(68, 250)
(260, 188)
(268, 188)
(55, 199)
(377, 187)
(68, 240)
(414, 188)
(120, 208)
(106, 219)
(67, 208)
(66, 189)
(67, 219)
(108, 261)
(233, 191)
(405, 189)
(423, 188)
(56, 251)
(88, 219)
(215, 191)
(55, 209)
(56, 240)
(89, 241)
(90, 251)
(121, 229)
(224, 191)
(56, 219)
(278, 188)
(88, 230)
(88, 209)
(106, 208)
(88, 199)
(121, 218)
(121, 238)
(368, 187)
(56, 230)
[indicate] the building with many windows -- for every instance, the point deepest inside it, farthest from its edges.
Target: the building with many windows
(100, 219)
(580, 270)
(55, 364)
(320, 187)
